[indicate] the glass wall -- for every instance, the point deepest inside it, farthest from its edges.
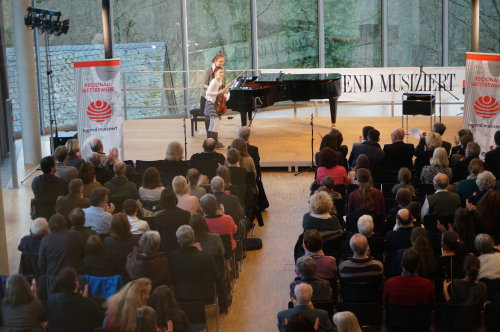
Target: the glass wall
(353, 32)
(414, 33)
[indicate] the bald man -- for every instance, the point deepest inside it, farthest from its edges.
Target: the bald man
(396, 240)
(120, 188)
(397, 154)
(206, 162)
(361, 267)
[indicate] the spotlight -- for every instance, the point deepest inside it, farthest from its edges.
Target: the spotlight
(48, 21)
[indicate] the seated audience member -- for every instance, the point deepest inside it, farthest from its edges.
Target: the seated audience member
(98, 261)
(253, 151)
(459, 155)
(224, 172)
(375, 241)
(98, 215)
(245, 160)
(120, 188)
(169, 220)
(398, 239)
(74, 199)
(463, 225)
(361, 162)
(60, 249)
(145, 319)
(168, 314)
(363, 138)
(120, 241)
(403, 198)
(469, 290)
(218, 222)
(65, 172)
(492, 157)
(409, 289)
(319, 217)
(346, 321)
(137, 226)
(189, 265)
(193, 176)
(231, 203)
(20, 308)
(209, 242)
(442, 203)
(48, 186)
(334, 140)
(306, 271)
(326, 266)
(467, 187)
(207, 161)
(328, 166)
(397, 155)
(451, 262)
(404, 179)
(87, 174)
(361, 267)
(426, 258)
(30, 244)
(437, 164)
(485, 181)
(488, 214)
(147, 262)
(77, 221)
(372, 150)
(185, 201)
(173, 164)
(151, 185)
(97, 147)
(103, 174)
(241, 184)
(463, 137)
(460, 168)
(300, 323)
(302, 295)
(328, 185)
(425, 149)
(440, 128)
(489, 257)
(366, 198)
(121, 307)
(74, 155)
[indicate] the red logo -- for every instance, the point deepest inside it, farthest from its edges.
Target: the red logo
(100, 110)
(486, 107)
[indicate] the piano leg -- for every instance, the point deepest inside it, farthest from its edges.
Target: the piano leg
(245, 116)
(333, 110)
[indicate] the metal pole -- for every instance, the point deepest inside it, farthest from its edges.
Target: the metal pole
(321, 33)
(38, 77)
(475, 25)
(185, 54)
(255, 43)
(445, 33)
(12, 144)
(107, 29)
(385, 12)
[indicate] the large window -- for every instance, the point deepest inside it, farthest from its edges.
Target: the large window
(353, 33)
(414, 33)
(288, 33)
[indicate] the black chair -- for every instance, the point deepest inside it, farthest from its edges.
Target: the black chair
(493, 289)
(196, 313)
(135, 178)
(492, 317)
(430, 223)
(458, 317)
(196, 115)
(42, 208)
(142, 165)
(387, 189)
(194, 291)
(359, 292)
(29, 265)
(230, 255)
(408, 318)
(369, 314)
(423, 190)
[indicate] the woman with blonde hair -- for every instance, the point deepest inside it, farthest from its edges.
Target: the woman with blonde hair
(193, 176)
(319, 216)
(346, 321)
(439, 163)
(245, 160)
(425, 149)
(185, 200)
(174, 163)
(74, 155)
(87, 174)
(151, 185)
(121, 307)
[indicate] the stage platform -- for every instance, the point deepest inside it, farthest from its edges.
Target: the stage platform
(284, 140)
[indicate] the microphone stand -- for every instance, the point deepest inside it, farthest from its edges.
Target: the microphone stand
(312, 168)
(185, 137)
(441, 87)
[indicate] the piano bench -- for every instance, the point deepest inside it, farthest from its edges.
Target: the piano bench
(196, 116)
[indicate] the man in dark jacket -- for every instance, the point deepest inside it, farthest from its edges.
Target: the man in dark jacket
(207, 161)
(398, 154)
(492, 158)
(48, 186)
(372, 150)
(120, 188)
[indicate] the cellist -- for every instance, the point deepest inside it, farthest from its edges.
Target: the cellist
(215, 89)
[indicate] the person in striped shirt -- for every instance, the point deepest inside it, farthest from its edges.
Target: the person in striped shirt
(361, 267)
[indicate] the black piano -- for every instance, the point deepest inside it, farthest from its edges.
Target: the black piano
(262, 91)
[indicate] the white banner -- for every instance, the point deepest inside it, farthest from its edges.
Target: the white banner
(482, 98)
(389, 84)
(99, 106)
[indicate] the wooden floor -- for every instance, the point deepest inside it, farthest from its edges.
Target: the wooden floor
(262, 288)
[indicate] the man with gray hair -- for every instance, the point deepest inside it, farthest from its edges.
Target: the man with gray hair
(375, 241)
(440, 128)
(302, 304)
(396, 240)
(66, 172)
(461, 167)
(443, 203)
(231, 203)
(206, 162)
(490, 257)
(193, 268)
(361, 267)
(30, 245)
(120, 188)
(397, 155)
(484, 181)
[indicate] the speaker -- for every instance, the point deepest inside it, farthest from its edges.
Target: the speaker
(61, 137)
(418, 103)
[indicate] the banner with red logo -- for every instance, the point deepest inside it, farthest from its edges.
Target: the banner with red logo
(99, 106)
(482, 97)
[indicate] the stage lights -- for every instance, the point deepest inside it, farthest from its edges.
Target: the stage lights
(48, 21)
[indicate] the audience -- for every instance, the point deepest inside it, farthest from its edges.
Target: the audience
(103, 173)
(473, 150)
(440, 128)
(488, 214)
(209, 242)
(489, 257)
(98, 215)
(467, 187)
(151, 185)
(361, 267)
(346, 321)
(206, 162)
(137, 226)
(173, 164)
(30, 244)
(231, 203)
(74, 199)
(438, 164)
(463, 137)
(218, 222)
(451, 262)
(245, 160)
(65, 172)
(328, 166)
(306, 271)
(120, 241)
(366, 198)
(397, 155)
(326, 266)
(168, 314)
(87, 174)
(77, 222)
(48, 186)
(404, 179)
(185, 201)
(361, 162)
(442, 203)
(485, 181)
(469, 290)
(98, 261)
(492, 157)
(424, 150)
(120, 188)
(319, 217)
(145, 320)
(397, 239)
(193, 176)
(372, 150)
(74, 155)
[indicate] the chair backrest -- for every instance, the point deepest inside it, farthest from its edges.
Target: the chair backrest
(359, 292)
(29, 265)
(142, 165)
(195, 311)
(387, 189)
(423, 190)
(458, 317)
(228, 248)
(188, 291)
(430, 223)
(368, 314)
(493, 287)
(104, 286)
(492, 317)
(42, 208)
(135, 178)
(409, 318)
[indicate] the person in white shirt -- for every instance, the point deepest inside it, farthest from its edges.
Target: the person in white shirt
(215, 88)
(137, 226)
(217, 61)
(98, 215)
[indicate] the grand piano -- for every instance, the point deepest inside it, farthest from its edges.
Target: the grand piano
(262, 91)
